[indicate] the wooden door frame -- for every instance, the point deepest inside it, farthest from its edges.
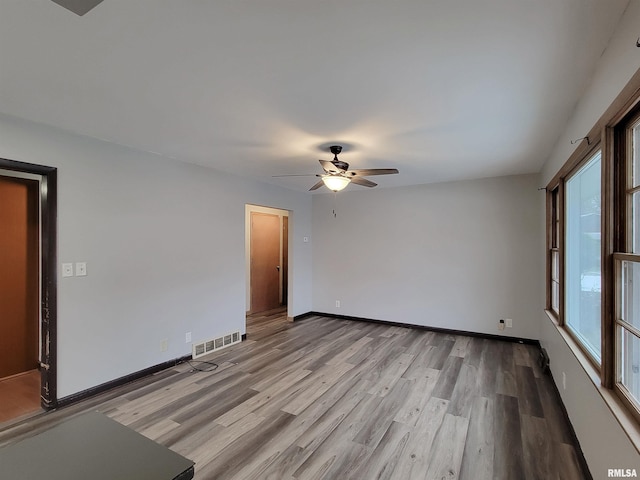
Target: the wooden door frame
(282, 212)
(48, 275)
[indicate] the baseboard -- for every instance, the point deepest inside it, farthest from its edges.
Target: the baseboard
(489, 336)
(302, 316)
(572, 432)
(118, 382)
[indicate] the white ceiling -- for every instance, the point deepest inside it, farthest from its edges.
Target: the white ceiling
(440, 89)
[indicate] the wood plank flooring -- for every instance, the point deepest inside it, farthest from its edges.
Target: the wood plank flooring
(334, 399)
(19, 395)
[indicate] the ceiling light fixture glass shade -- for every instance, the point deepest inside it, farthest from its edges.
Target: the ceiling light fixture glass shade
(336, 182)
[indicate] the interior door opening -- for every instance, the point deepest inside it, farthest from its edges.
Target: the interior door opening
(267, 252)
(28, 287)
(19, 296)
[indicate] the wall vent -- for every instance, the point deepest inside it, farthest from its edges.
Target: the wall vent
(208, 346)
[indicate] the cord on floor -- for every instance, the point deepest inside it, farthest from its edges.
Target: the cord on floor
(194, 366)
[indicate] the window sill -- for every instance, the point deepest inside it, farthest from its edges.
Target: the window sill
(623, 416)
(552, 316)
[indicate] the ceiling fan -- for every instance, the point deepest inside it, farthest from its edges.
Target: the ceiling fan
(337, 174)
(79, 7)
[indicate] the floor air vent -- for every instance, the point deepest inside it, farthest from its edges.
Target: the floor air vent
(208, 346)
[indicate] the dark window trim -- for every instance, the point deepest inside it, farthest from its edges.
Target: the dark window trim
(604, 135)
(553, 233)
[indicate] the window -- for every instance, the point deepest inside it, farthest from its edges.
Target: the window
(627, 272)
(627, 332)
(593, 253)
(554, 254)
(582, 255)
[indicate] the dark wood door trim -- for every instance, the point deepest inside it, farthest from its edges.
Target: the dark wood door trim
(49, 285)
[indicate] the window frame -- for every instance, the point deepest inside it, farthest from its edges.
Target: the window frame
(623, 156)
(554, 235)
(608, 136)
(557, 213)
(626, 397)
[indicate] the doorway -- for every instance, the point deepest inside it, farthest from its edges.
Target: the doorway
(20, 293)
(28, 201)
(267, 233)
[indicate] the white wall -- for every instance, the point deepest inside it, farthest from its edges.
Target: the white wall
(603, 442)
(164, 246)
(456, 255)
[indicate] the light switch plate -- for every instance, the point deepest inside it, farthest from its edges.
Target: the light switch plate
(81, 269)
(67, 269)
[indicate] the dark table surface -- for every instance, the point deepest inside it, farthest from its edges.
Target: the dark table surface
(92, 446)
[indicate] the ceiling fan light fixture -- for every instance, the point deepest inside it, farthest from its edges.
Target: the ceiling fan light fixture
(336, 182)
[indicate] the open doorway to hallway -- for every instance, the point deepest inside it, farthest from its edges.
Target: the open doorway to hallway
(19, 295)
(28, 211)
(267, 258)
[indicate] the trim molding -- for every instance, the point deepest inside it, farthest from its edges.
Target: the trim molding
(90, 392)
(302, 316)
(528, 341)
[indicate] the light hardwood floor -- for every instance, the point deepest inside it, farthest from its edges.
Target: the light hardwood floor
(334, 399)
(19, 395)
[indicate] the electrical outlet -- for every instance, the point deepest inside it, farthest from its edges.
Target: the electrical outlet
(67, 269)
(564, 381)
(164, 345)
(501, 324)
(81, 269)
(337, 303)
(509, 322)
(187, 337)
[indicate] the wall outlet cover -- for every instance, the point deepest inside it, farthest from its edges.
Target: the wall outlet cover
(67, 269)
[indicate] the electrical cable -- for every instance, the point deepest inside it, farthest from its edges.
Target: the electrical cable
(194, 368)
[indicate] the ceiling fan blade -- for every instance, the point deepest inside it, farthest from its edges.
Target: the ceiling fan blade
(363, 181)
(317, 185)
(330, 167)
(79, 7)
(365, 172)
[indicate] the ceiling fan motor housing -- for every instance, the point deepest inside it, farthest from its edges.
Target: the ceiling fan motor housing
(340, 164)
